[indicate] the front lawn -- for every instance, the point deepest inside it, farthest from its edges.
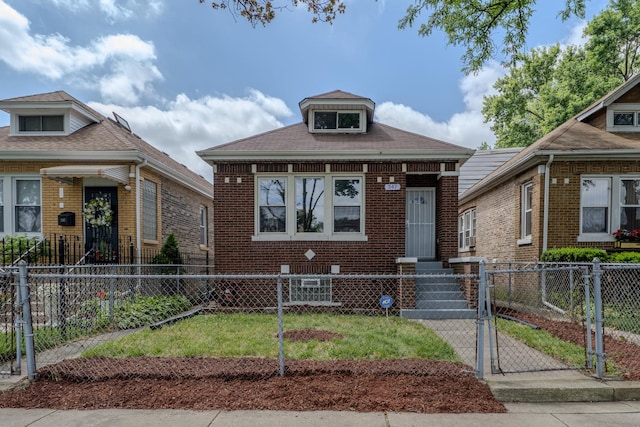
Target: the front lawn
(256, 335)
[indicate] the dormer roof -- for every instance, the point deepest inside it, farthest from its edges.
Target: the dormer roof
(337, 100)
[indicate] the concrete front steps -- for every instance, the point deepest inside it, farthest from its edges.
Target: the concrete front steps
(438, 296)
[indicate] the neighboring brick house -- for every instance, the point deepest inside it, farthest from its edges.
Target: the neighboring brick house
(59, 157)
(336, 193)
(574, 187)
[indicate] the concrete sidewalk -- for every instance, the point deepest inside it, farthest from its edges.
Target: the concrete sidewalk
(520, 414)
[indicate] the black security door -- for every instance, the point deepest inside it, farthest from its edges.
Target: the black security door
(101, 224)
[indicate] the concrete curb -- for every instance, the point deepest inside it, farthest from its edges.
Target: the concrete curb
(587, 390)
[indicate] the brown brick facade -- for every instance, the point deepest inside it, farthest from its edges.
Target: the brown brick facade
(384, 220)
(498, 212)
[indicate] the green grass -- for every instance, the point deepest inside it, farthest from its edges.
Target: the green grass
(256, 335)
(545, 342)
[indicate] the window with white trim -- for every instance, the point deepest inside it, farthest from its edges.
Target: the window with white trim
(595, 205)
(149, 210)
(51, 123)
(608, 203)
(337, 121)
(300, 207)
(20, 205)
(526, 210)
(623, 117)
(467, 230)
(203, 225)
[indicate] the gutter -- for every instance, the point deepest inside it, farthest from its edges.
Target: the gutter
(138, 219)
(545, 220)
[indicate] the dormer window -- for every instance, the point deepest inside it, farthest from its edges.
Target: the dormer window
(337, 121)
(623, 118)
(54, 123)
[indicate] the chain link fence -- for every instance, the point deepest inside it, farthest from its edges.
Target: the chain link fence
(100, 321)
(572, 316)
(105, 321)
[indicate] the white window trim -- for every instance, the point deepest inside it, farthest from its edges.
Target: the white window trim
(291, 234)
(66, 123)
(623, 108)
(204, 228)
(467, 222)
(9, 205)
(525, 238)
(361, 129)
(614, 208)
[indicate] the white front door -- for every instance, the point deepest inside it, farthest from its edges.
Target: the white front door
(420, 237)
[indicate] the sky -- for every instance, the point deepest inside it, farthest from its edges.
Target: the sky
(187, 77)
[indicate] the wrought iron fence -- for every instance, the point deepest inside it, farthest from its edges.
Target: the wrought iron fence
(60, 249)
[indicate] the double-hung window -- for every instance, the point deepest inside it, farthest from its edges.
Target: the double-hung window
(315, 207)
(526, 212)
(149, 210)
(204, 218)
(595, 204)
(467, 230)
(20, 205)
(608, 203)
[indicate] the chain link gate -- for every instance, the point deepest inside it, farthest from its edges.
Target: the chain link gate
(522, 301)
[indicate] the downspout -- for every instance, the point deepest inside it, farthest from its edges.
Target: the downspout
(545, 220)
(138, 220)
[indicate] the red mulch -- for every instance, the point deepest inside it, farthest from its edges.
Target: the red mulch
(411, 385)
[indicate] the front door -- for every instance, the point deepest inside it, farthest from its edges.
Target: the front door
(420, 237)
(101, 224)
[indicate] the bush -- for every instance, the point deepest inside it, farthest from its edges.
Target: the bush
(624, 257)
(147, 310)
(573, 255)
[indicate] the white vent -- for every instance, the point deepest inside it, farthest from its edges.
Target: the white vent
(310, 283)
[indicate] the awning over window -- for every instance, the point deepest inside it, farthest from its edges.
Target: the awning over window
(118, 173)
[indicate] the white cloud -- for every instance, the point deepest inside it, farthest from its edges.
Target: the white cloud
(183, 126)
(466, 129)
(121, 65)
(114, 10)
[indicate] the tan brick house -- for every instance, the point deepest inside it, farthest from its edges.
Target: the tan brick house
(61, 160)
(572, 188)
(335, 193)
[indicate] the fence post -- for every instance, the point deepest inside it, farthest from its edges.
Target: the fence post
(28, 325)
(587, 315)
(597, 307)
(280, 328)
(480, 318)
(63, 289)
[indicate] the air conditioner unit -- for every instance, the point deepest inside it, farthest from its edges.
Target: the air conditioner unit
(472, 241)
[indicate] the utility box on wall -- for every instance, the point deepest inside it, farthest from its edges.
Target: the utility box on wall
(67, 219)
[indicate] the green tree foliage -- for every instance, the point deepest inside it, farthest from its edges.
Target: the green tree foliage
(550, 85)
(264, 11)
(614, 39)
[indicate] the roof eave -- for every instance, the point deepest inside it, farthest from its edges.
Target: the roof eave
(252, 156)
(541, 156)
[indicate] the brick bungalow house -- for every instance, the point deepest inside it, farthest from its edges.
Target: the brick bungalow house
(574, 187)
(60, 159)
(335, 193)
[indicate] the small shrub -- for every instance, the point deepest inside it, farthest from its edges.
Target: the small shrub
(147, 310)
(573, 255)
(624, 257)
